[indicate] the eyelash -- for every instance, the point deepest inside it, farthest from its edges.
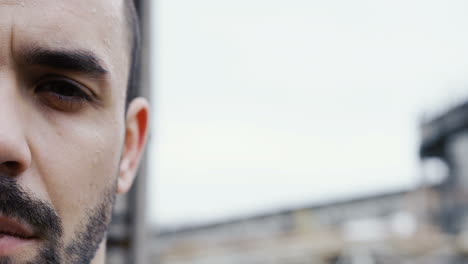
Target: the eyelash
(62, 94)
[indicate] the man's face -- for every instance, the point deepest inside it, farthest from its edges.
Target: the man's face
(63, 76)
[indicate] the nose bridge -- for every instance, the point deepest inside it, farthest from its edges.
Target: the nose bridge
(6, 37)
(15, 156)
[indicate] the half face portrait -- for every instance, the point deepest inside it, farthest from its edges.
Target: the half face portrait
(72, 131)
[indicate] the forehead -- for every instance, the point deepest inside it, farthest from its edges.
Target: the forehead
(95, 25)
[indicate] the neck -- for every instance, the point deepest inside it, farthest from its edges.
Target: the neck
(100, 257)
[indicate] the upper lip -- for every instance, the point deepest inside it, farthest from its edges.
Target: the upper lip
(15, 228)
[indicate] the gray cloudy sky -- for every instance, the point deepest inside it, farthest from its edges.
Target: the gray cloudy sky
(265, 104)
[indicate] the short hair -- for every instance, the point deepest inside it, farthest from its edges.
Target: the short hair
(134, 35)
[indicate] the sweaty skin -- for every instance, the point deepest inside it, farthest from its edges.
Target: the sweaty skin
(66, 139)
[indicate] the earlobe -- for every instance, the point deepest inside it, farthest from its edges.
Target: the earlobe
(136, 131)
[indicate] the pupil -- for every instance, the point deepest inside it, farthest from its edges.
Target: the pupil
(62, 88)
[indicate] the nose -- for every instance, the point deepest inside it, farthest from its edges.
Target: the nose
(15, 154)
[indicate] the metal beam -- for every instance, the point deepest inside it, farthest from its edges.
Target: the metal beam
(137, 198)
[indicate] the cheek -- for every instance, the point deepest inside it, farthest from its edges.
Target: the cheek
(76, 158)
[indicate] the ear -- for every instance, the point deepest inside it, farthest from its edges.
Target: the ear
(135, 140)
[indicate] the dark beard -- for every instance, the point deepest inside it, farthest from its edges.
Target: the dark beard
(86, 242)
(17, 203)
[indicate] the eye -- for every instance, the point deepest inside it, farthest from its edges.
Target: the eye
(62, 94)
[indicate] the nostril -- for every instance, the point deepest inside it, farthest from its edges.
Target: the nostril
(11, 167)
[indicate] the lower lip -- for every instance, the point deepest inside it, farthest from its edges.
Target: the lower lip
(10, 244)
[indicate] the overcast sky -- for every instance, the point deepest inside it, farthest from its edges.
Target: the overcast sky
(266, 104)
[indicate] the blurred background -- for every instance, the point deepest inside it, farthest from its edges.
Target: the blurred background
(301, 131)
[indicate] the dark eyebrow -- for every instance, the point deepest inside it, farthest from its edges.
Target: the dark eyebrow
(70, 60)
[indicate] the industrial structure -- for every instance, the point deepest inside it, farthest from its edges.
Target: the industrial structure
(446, 138)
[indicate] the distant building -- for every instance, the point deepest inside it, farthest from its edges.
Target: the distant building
(321, 233)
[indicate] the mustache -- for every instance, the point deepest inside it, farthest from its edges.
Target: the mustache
(17, 203)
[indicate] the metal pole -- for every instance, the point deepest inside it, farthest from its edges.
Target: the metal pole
(138, 204)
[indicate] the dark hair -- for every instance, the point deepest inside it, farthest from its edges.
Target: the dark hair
(134, 34)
